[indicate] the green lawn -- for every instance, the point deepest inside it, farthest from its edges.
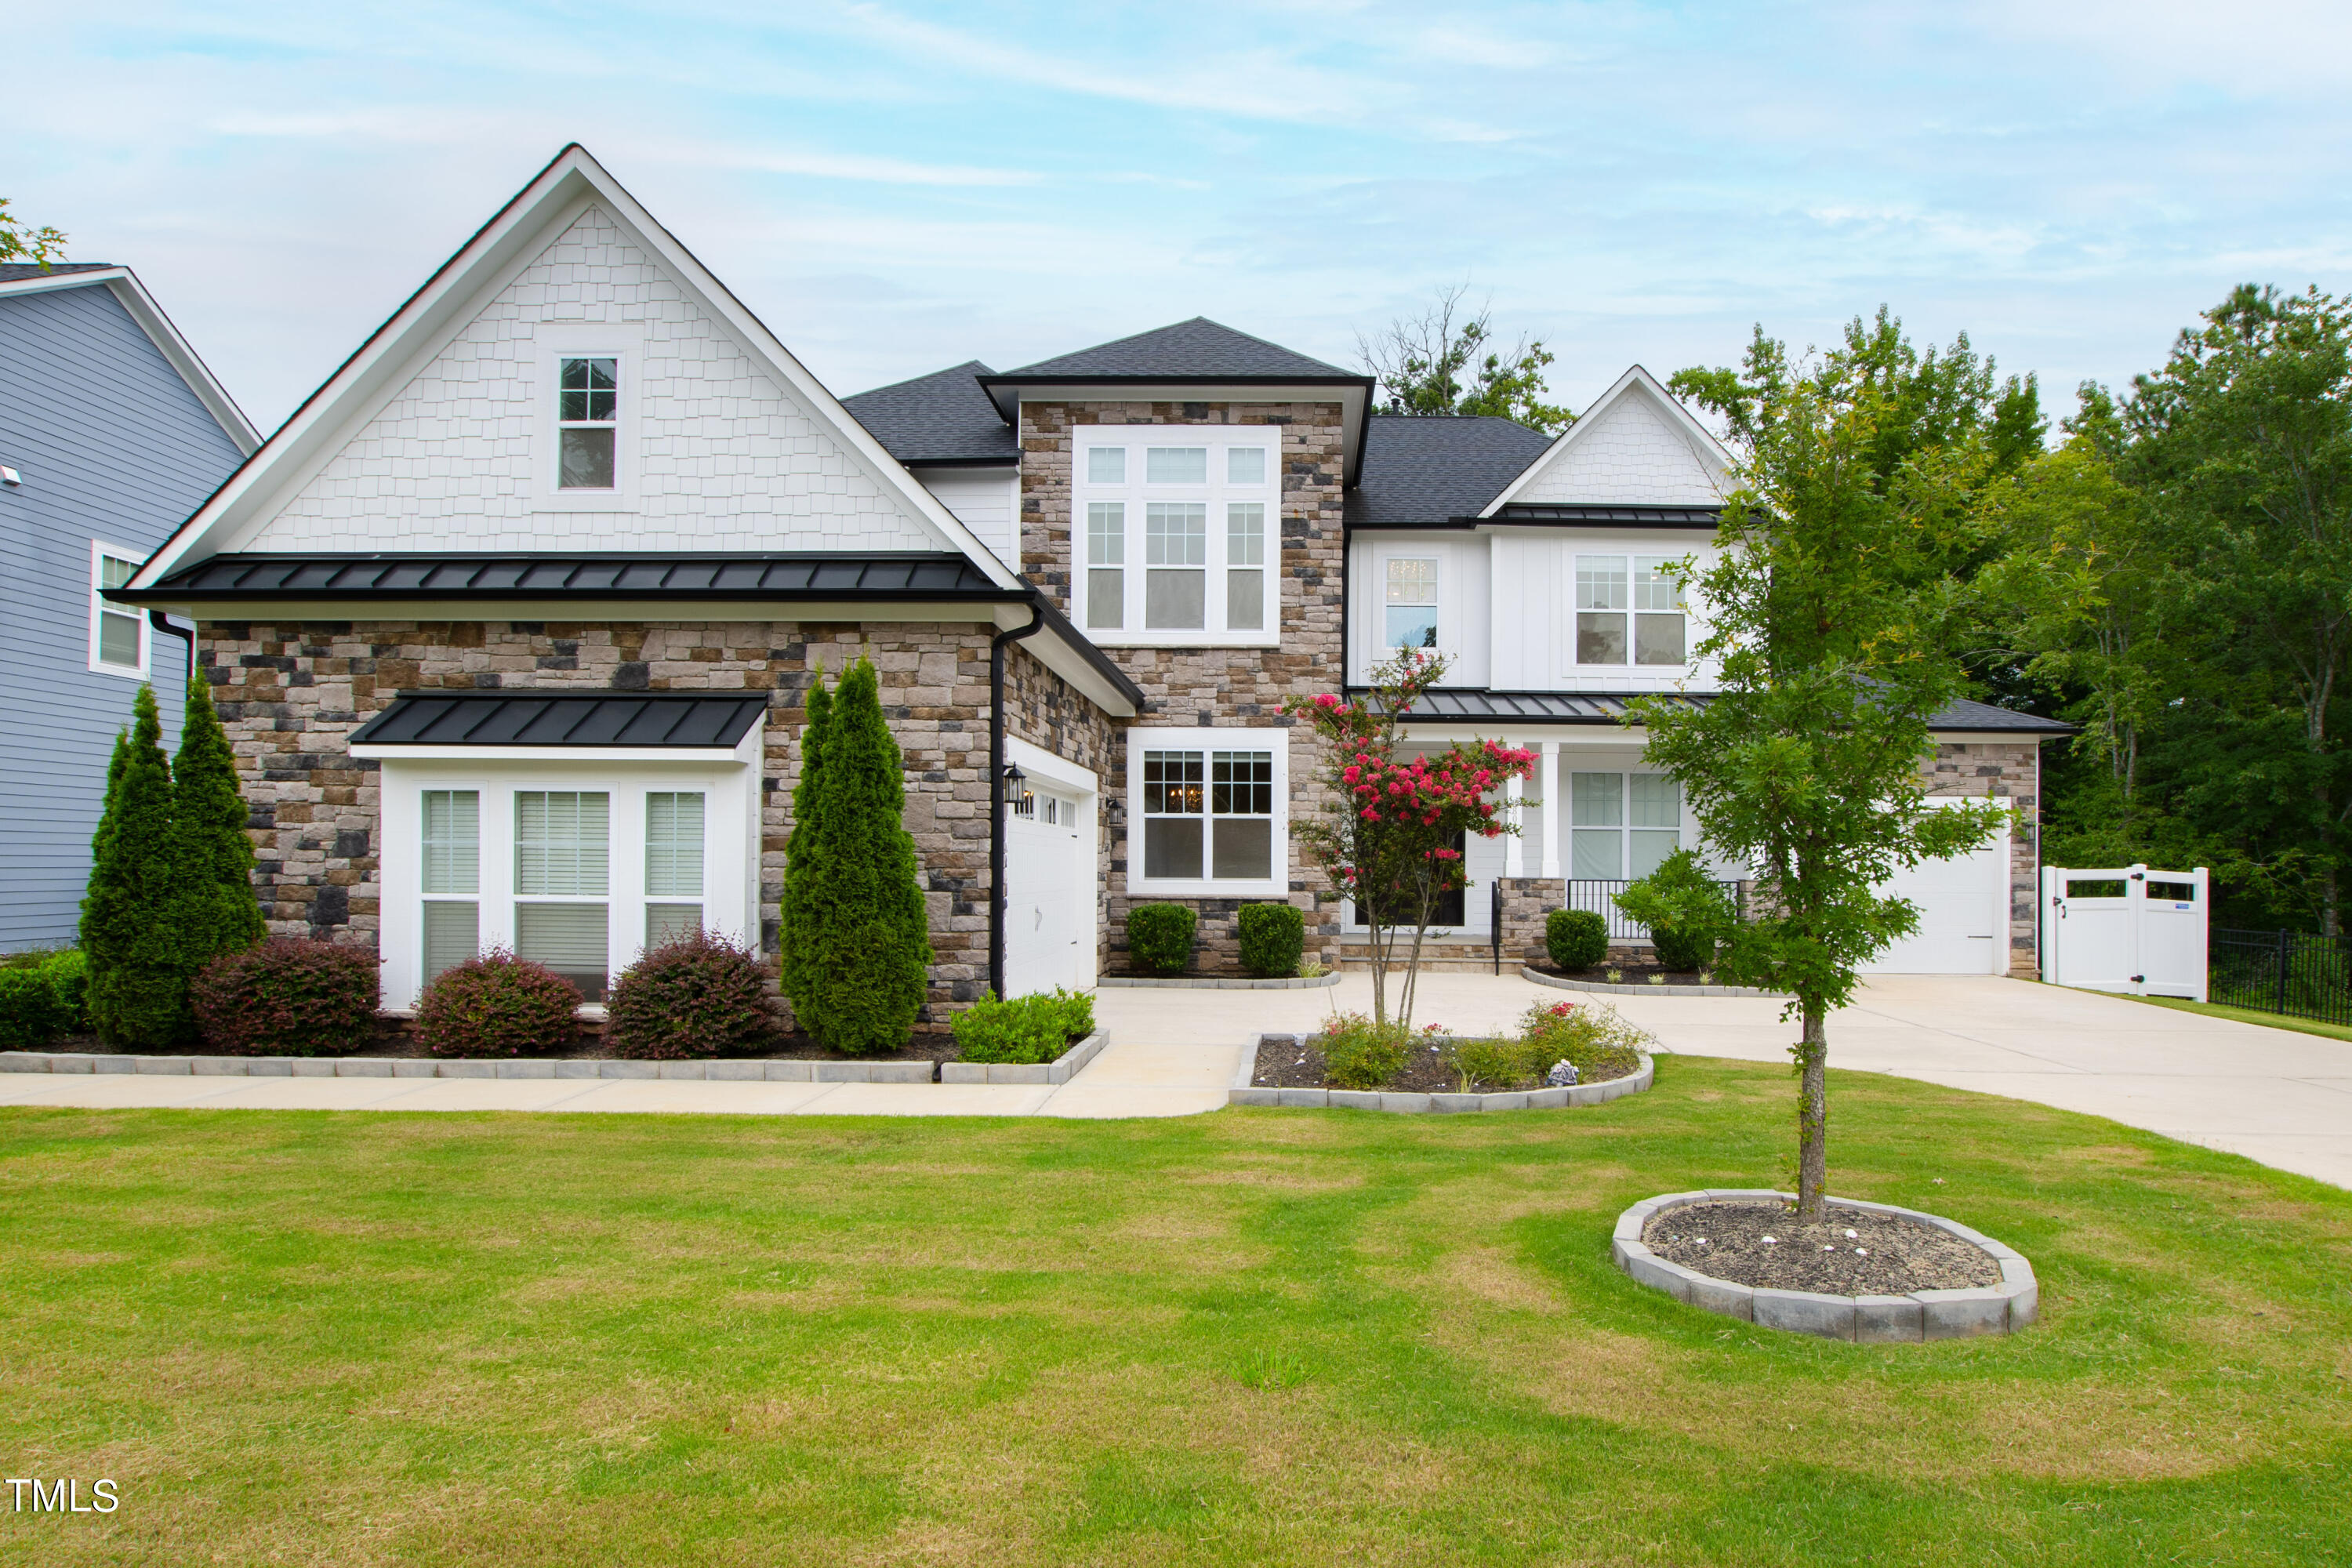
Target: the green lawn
(1254, 1337)
(2250, 1015)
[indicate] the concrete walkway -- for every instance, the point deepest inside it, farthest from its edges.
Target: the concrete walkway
(2273, 1095)
(1125, 1080)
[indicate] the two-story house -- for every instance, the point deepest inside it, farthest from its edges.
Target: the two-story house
(111, 431)
(512, 622)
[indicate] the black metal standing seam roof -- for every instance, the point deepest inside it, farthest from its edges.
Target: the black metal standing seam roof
(1450, 707)
(943, 417)
(1199, 348)
(652, 720)
(1706, 517)
(1427, 470)
(925, 576)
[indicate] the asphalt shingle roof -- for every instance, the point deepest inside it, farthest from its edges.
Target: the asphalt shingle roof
(1194, 349)
(942, 417)
(1427, 469)
(14, 272)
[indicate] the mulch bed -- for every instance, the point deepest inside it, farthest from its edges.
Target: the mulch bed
(1281, 1065)
(1629, 974)
(1853, 1253)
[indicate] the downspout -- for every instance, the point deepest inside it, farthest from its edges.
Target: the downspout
(996, 789)
(162, 623)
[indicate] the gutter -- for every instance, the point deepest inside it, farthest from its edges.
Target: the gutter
(162, 623)
(996, 787)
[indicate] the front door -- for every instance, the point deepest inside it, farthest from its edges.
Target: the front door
(1048, 895)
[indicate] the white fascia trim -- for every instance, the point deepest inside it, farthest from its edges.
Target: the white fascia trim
(1040, 764)
(124, 285)
(450, 298)
(1056, 654)
(1703, 442)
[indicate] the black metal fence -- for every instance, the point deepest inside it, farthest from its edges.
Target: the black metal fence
(1601, 897)
(2282, 972)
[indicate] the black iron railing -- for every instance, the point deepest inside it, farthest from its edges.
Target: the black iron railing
(1601, 897)
(2281, 971)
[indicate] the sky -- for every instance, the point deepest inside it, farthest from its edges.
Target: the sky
(894, 187)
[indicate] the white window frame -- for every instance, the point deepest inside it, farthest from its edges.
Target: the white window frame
(624, 343)
(1217, 494)
(99, 551)
(731, 848)
(1435, 560)
(1633, 556)
(1625, 826)
(1207, 741)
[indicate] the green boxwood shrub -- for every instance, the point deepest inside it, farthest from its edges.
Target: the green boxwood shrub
(69, 977)
(289, 997)
(31, 1012)
(695, 995)
(1273, 938)
(1024, 1029)
(1687, 910)
(498, 1005)
(1160, 937)
(1683, 950)
(1359, 1053)
(1576, 939)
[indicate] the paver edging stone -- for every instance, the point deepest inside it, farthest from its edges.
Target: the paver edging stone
(1922, 1315)
(1560, 983)
(734, 1070)
(1243, 1092)
(1208, 983)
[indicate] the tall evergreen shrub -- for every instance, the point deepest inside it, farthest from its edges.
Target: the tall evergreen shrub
(866, 942)
(801, 850)
(131, 915)
(221, 914)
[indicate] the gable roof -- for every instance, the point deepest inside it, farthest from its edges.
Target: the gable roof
(513, 239)
(1428, 469)
(20, 277)
(1199, 348)
(940, 419)
(1635, 383)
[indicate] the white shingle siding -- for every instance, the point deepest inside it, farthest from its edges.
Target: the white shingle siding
(1630, 454)
(727, 458)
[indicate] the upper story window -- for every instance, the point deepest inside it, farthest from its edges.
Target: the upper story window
(1620, 611)
(587, 422)
(1412, 606)
(1176, 538)
(117, 633)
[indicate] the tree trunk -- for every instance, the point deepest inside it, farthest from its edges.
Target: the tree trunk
(1379, 957)
(1813, 1115)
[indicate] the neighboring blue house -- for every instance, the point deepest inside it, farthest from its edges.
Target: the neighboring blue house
(111, 432)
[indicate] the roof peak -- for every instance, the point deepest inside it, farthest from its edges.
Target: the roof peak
(1194, 348)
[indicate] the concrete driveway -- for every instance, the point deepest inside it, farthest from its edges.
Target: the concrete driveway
(2273, 1095)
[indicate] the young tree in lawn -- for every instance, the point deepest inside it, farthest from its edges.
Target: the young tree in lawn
(868, 946)
(1832, 623)
(800, 852)
(221, 913)
(1387, 833)
(131, 912)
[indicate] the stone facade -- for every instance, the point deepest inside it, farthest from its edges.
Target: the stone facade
(290, 695)
(1208, 687)
(2010, 770)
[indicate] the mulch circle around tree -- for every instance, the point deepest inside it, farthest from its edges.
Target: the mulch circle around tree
(1853, 1253)
(1282, 1064)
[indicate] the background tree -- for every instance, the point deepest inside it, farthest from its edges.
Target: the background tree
(1433, 363)
(220, 914)
(131, 914)
(801, 853)
(1833, 624)
(866, 946)
(21, 241)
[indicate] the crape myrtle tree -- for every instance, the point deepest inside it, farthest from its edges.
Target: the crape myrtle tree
(132, 914)
(1388, 829)
(866, 947)
(1834, 615)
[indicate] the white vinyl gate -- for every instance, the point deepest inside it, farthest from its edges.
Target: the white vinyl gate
(2126, 929)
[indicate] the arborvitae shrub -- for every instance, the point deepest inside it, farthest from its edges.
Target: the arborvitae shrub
(1025, 1029)
(801, 854)
(1273, 938)
(866, 941)
(496, 1006)
(220, 914)
(290, 996)
(1576, 939)
(132, 913)
(1160, 937)
(695, 995)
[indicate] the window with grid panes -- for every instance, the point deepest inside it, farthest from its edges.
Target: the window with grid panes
(1178, 540)
(673, 864)
(120, 639)
(1208, 814)
(587, 422)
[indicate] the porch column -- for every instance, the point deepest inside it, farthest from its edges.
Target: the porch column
(1550, 785)
(1515, 849)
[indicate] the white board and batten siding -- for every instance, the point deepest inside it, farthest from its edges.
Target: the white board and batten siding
(986, 501)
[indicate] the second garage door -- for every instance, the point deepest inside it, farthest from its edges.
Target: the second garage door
(1963, 906)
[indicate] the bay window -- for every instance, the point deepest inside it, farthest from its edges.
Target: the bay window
(1175, 526)
(1208, 807)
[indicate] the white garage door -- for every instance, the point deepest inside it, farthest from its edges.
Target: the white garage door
(1049, 888)
(1963, 906)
